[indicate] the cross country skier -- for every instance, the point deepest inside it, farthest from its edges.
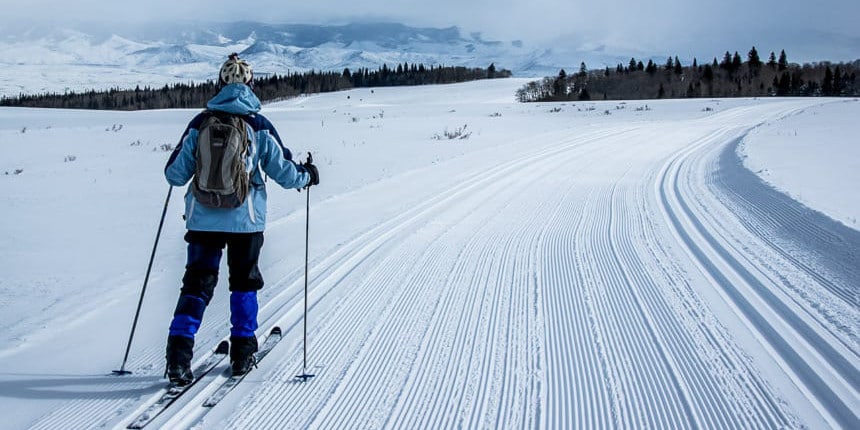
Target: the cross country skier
(226, 207)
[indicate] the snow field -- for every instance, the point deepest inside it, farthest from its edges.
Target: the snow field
(570, 269)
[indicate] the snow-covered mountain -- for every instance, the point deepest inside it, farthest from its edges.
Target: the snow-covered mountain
(34, 60)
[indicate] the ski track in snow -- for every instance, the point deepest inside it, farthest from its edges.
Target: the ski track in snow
(569, 296)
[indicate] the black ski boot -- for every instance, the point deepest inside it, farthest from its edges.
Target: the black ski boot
(179, 352)
(242, 351)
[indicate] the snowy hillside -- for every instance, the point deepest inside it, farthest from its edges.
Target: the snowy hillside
(39, 60)
(588, 265)
(789, 156)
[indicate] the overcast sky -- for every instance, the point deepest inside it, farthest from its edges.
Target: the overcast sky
(648, 25)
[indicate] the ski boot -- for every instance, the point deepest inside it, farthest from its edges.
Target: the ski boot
(179, 353)
(242, 351)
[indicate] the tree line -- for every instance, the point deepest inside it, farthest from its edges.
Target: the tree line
(269, 88)
(730, 77)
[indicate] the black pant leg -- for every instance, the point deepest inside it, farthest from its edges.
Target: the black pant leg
(204, 257)
(198, 284)
(243, 255)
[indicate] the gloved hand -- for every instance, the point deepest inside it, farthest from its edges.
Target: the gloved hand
(313, 172)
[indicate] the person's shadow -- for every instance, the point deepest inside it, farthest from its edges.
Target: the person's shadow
(76, 387)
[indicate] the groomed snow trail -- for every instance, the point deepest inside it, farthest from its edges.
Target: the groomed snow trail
(622, 274)
(565, 290)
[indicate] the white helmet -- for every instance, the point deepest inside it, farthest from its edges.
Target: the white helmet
(236, 71)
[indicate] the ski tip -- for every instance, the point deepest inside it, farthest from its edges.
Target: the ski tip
(276, 330)
(139, 423)
(223, 348)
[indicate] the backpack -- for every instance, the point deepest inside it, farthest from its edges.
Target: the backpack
(221, 178)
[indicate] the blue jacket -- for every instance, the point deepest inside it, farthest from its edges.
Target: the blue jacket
(268, 155)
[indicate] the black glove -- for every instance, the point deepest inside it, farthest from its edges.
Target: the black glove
(313, 172)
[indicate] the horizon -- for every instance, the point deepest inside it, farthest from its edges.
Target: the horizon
(40, 59)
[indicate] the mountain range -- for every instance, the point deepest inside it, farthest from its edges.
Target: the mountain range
(78, 59)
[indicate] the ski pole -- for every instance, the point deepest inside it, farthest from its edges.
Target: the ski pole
(122, 370)
(305, 376)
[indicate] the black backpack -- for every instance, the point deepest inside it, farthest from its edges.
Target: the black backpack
(221, 178)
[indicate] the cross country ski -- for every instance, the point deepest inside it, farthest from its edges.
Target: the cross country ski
(274, 337)
(174, 391)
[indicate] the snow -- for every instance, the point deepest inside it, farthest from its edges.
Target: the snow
(569, 265)
(789, 154)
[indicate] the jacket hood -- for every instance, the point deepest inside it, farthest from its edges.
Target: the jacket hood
(236, 99)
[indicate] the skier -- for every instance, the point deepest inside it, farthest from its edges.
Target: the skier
(239, 229)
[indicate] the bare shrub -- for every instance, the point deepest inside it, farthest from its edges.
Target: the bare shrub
(459, 133)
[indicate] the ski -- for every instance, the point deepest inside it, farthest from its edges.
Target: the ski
(175, 391)
(231, 382)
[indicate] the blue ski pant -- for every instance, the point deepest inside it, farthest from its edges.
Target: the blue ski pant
(201, 275)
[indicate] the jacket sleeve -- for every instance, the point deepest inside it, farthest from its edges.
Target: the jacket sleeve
(180, 169)
(181, 165)
(273, 161)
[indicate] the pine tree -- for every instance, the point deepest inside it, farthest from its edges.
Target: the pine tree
(838, 84)
(559, 87)
(708, 73)
(736, 62)
(753, 58)
(783, 61)
(651, 68)
(827, 85)
(727, 61)
(583, 95)
(784, 84)
(678, 68)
